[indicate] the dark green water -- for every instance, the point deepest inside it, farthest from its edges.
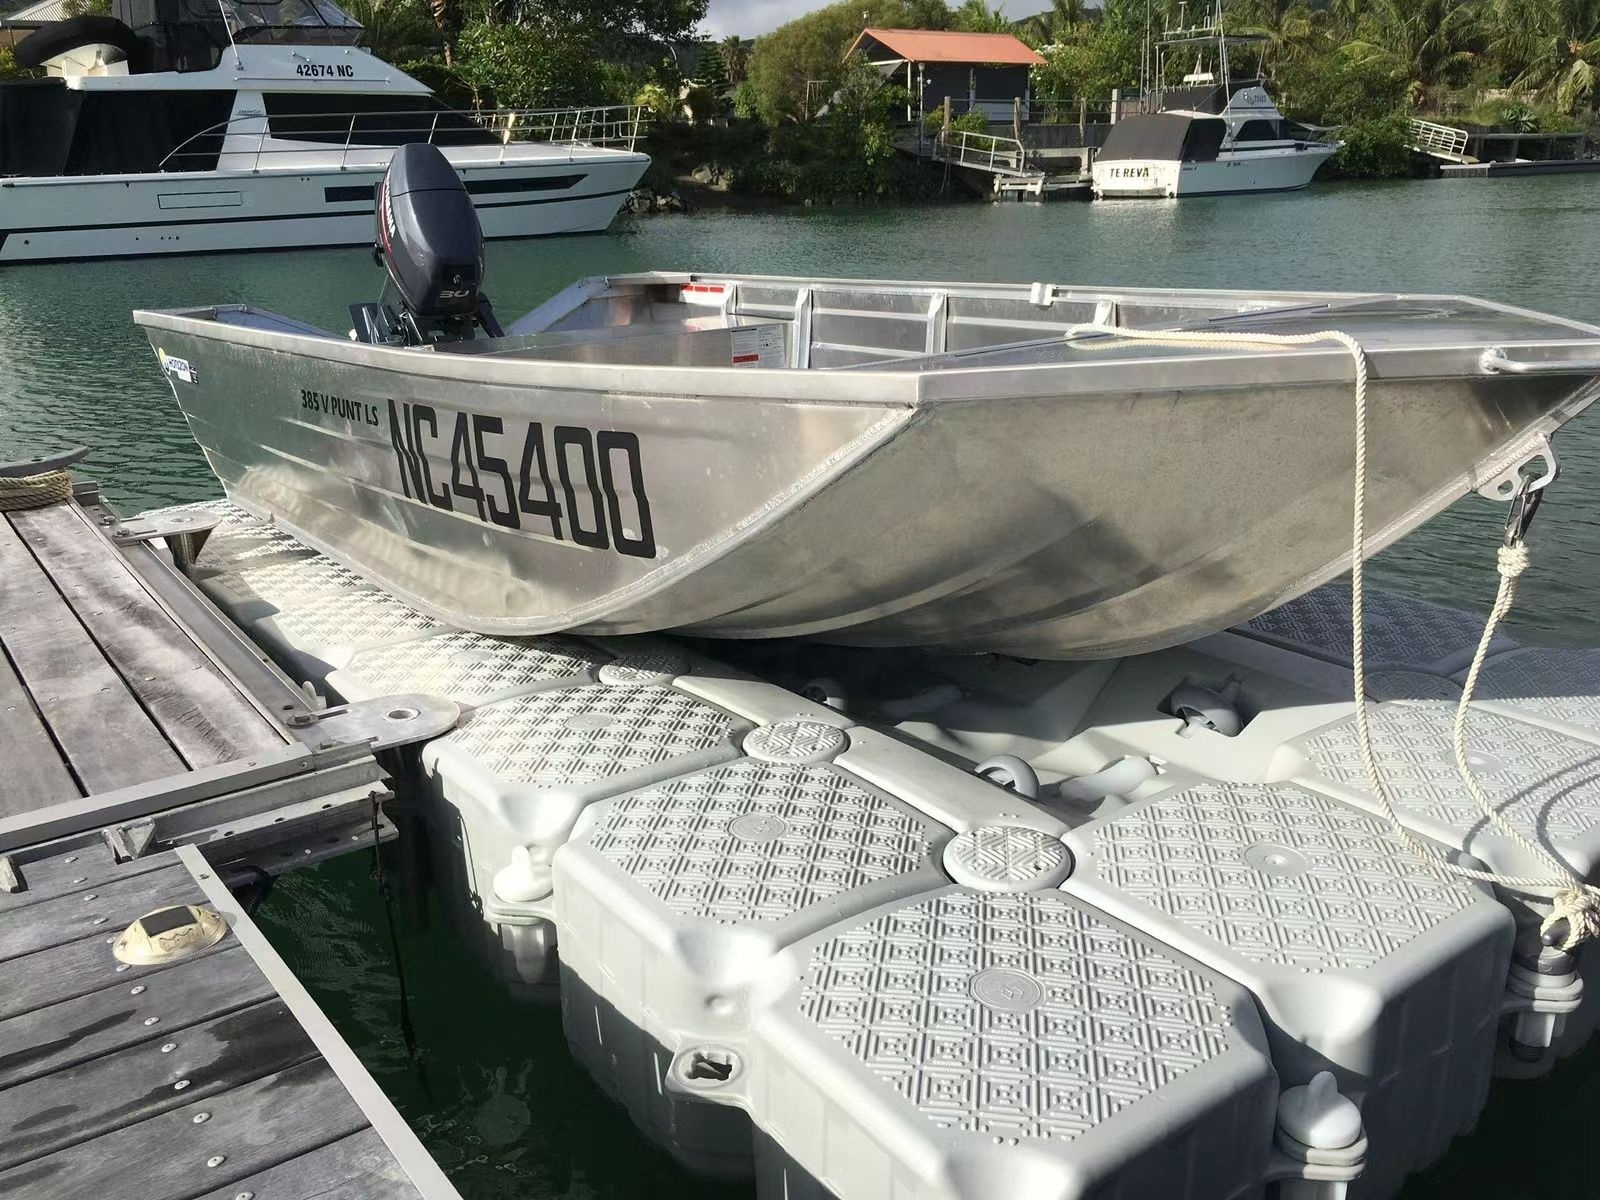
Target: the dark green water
(496, 1097)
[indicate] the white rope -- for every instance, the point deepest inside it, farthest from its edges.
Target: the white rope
(34, 491)
(1574, 902)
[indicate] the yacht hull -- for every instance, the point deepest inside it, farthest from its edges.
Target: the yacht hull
(1229, 174)
(316, 203)
(1098, 504)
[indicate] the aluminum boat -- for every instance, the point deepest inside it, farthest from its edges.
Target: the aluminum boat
(874, 463)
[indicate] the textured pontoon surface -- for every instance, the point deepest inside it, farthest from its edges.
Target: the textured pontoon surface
(772, 918)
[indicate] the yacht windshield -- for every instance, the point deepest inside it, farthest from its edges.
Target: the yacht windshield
(249, 15)
(190, 35)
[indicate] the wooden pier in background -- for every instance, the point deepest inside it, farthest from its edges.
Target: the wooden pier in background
(150, 757)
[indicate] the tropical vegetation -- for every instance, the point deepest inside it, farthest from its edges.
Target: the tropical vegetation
(790, 115)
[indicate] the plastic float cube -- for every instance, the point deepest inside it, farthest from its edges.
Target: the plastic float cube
(1555, 688)
(469, 668)
(325, 632)
(975, 1046)
(1543, 782)
(1366, 961)
(671, 902)
(1401, 633)
(252, 590)
(516, 774)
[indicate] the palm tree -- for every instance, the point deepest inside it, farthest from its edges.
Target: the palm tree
(735, 58)
(1058, 22)
(974, 16)
(1292, 30)
(1430, 41)
(1550, 47)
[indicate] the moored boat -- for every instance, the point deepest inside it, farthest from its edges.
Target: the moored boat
(181, 128)
(970, 466)
(1219, 133)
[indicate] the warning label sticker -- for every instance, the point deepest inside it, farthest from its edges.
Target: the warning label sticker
(758, 346)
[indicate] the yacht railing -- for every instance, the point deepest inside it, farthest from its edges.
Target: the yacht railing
(259, 138)
(984, 151)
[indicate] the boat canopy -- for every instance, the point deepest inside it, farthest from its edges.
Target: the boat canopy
(1167, 137)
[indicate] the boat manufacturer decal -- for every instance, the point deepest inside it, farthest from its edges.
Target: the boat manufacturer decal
(758, 346)
(177, 368)
(325, 404)
(594, 497)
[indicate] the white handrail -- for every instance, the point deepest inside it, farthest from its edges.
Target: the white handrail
(1443, 139)
(612, 127)
(987, 151)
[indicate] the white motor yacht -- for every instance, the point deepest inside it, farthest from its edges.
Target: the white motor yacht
(1214, 135)
(179, 127)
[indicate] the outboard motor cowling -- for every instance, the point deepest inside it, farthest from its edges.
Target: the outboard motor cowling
(431, 245)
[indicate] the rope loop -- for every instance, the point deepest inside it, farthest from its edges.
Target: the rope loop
(1579, 907)
(35, 491)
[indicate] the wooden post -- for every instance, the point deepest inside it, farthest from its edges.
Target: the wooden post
(945, 132)
(1016, 117)
(1083, 118)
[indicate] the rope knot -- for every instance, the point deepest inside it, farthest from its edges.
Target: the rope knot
(1579, 907)
(1513, 560)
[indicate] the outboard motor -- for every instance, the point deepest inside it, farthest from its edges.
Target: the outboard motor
(431, 245)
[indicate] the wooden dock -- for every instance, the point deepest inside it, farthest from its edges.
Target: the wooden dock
(214, 1076)
(150, 756)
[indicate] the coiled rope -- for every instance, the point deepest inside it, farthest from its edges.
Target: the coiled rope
(34, 491)
(1574, 902)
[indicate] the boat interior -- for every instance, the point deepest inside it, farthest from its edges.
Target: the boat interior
(710, 321)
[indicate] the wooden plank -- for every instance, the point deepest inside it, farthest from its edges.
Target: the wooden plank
(35, 774)
(102, 913)
(196, 705)
(113, 1018)
(108, 739)
(358, 1167)
(80, 870)
(104, 1094)
(168, 1157)
(66, 972)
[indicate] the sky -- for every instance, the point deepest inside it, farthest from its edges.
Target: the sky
(750, 17)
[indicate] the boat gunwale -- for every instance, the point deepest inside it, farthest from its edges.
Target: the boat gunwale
(891, 386)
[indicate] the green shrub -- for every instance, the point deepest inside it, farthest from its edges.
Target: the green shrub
(442, 80)
(970, 122)
(1377, 148)
(9, 68)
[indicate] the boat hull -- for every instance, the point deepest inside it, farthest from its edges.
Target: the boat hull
(1230, 173)
(1058, 513)
(316, 203)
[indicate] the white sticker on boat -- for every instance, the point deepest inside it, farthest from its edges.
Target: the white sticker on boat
(758, 346)
(178, 368)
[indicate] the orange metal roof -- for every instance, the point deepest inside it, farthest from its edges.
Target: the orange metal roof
(940, 45)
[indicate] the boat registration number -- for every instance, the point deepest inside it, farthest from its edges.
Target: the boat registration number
(577, 485)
